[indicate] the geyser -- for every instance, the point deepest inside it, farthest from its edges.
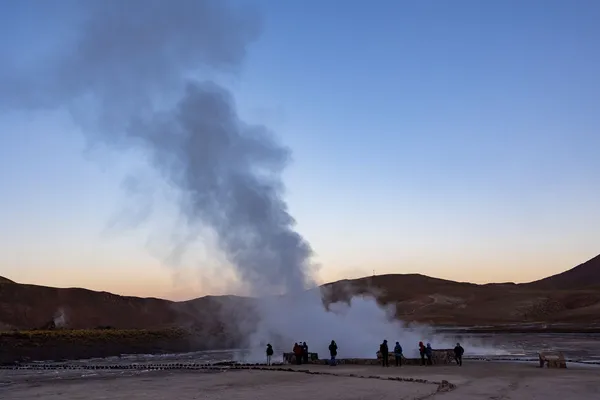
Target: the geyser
(123, 70)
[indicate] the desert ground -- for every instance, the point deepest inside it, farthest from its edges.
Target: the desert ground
(474, 380)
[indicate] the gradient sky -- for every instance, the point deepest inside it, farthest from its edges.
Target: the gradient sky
(457, 139)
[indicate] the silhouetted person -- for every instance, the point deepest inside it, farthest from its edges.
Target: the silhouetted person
(385, 352)
(398, 354)
(333, 348)
(269, 353)
(458, 353)
(305, 352)
(422, 352)
(429, 354)
(298, 353)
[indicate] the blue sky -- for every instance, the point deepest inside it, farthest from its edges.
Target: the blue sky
(454, 139)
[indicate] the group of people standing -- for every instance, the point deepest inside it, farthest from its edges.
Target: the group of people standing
(385, 352)
(301, 353)
(426, 352)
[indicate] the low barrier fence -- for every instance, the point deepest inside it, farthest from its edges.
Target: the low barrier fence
(438, 357)
(290, 358)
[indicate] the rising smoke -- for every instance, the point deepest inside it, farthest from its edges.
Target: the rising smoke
(127, 72)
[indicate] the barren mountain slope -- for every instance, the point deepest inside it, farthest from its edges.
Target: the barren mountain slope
(569, 297)
(583, 276)
(31, 306)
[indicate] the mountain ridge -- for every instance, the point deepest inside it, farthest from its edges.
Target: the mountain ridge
(568, 297)
(584, 275)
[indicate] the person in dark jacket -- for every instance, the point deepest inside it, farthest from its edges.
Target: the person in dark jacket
(429, 354)
(422, 352)
(305, 352)
(298, 353)
(385, 353)
(333, 348)
(398, 354)
(458, 353)
(269, 353)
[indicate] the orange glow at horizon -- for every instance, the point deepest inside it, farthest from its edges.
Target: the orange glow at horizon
(162, 282)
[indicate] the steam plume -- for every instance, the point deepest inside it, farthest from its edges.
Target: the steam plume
(120, 76)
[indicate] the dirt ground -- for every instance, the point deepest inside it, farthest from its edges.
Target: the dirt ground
(475, 380)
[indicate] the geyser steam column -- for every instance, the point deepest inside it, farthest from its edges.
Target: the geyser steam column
(121, 69)
(117, 71)
(230, 175)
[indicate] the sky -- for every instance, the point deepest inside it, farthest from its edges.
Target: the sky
(453, 139)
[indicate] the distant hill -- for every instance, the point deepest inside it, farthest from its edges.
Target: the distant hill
(31, 307)
(424, 299)
(583, 276)
(5, 280)
(569, 297)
